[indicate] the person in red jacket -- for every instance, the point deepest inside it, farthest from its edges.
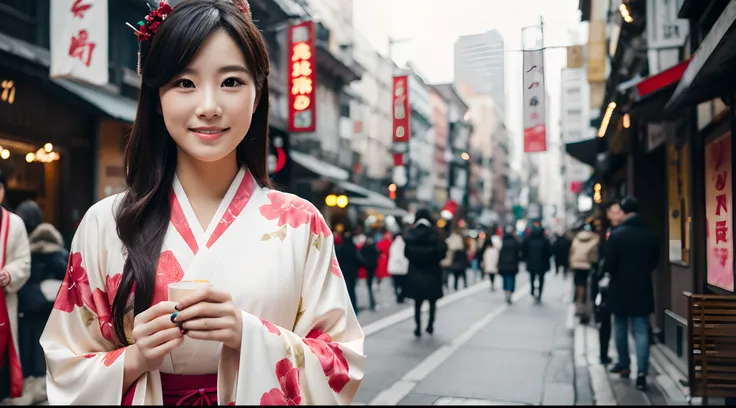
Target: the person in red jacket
(383, 247)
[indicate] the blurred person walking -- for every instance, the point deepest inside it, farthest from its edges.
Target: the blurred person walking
(489, 262)
(509, 256)
(369, 259)
(424, 250)
(347, 257)
(632, 254)
(36, 298)
(583, 258)
(561, 251)
(537, 252)
(398, 266)
(457, 253)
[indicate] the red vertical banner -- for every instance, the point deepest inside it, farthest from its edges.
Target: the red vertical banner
(534, 95)
(718, 213)
(400, 111)
(302, 79)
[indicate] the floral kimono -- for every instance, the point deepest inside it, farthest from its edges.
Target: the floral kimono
(15, 261)
(302, 343)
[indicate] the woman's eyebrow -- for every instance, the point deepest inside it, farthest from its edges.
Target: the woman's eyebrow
(233, 68)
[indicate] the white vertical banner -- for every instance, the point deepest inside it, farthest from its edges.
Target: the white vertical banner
(79, 40)
(535, 127)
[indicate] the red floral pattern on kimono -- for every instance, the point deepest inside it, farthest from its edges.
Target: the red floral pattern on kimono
(330, 357)
(168, 271)
(336, 267)
(111, 356)
(289, 394)
(271, 327)
(294, 211)
(75, 290)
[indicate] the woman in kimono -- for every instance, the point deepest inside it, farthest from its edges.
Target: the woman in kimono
(276, 326)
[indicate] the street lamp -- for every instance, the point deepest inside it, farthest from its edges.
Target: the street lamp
(465, 156)
(333, 200)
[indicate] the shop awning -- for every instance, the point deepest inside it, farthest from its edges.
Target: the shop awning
(318, 167)
(651, 94)
(586, 151)
(711, 70)
(367, 197)
(115, 106)
(369, 205)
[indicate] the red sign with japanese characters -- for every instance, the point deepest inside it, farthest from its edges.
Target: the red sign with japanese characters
(302, 78)
(719, 219)
(400, 110)
(79, 44)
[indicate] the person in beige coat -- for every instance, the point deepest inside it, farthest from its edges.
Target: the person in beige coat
(583, 256)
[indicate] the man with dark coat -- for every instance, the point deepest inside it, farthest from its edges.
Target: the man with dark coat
(537, 253)
(561, 250)
(424, 249)
(508, 262)
(347, 257)
(632, 254)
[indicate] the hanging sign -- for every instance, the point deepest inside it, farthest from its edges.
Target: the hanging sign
(302, 78)
(535, 127)
(79, 38)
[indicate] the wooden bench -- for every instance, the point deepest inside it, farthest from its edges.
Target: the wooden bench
(711, 346)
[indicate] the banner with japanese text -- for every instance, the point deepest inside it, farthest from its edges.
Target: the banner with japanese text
(400, 109)
(535, 127)
(79, 40)
(718, 215)
(302, 79)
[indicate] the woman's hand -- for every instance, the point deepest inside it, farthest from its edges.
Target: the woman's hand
(4, 278)
(209, 314)
(155, 336)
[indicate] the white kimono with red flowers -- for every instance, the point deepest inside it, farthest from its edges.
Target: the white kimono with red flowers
(302, 343)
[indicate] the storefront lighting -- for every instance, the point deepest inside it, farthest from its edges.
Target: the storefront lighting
(342, 201)
(597, 187)
(392, 187)
(30, 157)
(627, 121)
(606, 119)
(331, 200)
(625, 13)
(5, 153)
(48, 147)
(465, 156)
(441, 223)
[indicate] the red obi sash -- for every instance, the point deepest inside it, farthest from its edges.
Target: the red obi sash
(183, 390)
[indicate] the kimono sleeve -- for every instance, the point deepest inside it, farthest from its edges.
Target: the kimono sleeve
(84, 365)
(318, 362)
(18, 263)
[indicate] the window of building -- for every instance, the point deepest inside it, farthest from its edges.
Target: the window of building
(20, 19)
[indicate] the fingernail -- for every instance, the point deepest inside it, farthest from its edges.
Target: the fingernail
(173, 316)
(177, 308)
(183, 331)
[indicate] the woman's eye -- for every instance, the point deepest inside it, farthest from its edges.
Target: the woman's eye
(184, 83)
(231, 82)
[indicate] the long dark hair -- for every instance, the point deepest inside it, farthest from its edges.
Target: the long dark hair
(150, 157)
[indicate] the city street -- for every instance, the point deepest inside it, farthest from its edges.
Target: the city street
(484, 352)
(475, 335)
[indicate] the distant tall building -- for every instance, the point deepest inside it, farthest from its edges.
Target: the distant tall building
(479, 63)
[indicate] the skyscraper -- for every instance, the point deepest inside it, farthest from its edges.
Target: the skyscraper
(479, 63)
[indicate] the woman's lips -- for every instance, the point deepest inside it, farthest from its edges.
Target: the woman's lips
(209, 132)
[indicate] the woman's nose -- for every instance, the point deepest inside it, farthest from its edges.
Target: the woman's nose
(209, 107)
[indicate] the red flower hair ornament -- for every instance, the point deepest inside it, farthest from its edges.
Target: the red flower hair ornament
(149, 25)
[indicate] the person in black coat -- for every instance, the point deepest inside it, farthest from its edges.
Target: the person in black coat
(537, 253)
(36, 298)
(424, 249)
(508, 262)
(347, 257)
(561, 251)
(632, 255)
(369, 260)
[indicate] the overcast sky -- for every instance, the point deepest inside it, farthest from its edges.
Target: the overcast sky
(433, 26)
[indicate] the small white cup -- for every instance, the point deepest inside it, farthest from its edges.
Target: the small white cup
(180, 290)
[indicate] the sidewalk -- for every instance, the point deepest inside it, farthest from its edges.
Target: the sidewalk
(483, 352)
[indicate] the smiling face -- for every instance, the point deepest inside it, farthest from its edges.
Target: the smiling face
(208, 107)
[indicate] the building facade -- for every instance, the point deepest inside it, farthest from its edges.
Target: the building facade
(480, 63)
